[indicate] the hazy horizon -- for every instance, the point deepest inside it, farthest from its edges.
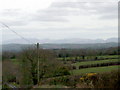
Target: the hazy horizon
(59, 41)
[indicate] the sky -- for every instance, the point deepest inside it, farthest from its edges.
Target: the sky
(59, 19)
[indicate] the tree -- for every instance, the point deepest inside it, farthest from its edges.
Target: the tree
(47, 65)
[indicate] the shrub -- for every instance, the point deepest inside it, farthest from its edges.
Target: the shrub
(102, 80)
(61, 72)
(74, 67)
(64, 80)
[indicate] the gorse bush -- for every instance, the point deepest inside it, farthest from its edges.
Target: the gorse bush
(103, 80)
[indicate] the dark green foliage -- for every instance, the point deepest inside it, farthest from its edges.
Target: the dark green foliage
(74, 67)
(61, 72)
(99, 65)
(65, 80)
(26, 78)
(60, 80)
(76, 58)
(83, 57)
(85, 52)
(8, 55)
(13, 57)
(96, 58)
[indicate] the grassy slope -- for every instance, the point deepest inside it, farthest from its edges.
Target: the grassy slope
(109, 56)
(94, 62)
(96, 70)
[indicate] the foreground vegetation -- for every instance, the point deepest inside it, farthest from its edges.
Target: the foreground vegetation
(87, 80)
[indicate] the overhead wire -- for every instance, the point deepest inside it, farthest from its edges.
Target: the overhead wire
(17, 33)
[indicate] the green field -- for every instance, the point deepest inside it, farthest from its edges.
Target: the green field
(109, 56)
(15, 61)
(92, 57)
(95, 70)
(94, 62)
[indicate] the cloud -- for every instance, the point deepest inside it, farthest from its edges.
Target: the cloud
(69, 16)
(102, 9)
(58, 11)
(13, 17)
(15, 23)
(48, 17)
(10, 12)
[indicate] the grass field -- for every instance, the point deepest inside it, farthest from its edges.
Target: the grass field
(94, 62)
(92, 57)
(15, 61)
(95, 70)
(109, 56)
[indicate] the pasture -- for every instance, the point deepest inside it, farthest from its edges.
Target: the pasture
(95, 70)
(94, 62)
(90, 57)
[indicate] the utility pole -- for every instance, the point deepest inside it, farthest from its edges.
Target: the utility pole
(38, 69)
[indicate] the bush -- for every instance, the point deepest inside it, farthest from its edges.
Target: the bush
(74, 67)
(61, 72)
(64, 80)
(103, 80)
(109, 80)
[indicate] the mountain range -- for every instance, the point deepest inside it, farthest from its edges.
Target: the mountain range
(19, 44)
(60, 41)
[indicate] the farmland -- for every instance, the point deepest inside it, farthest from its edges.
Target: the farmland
(59, 68)
(95, 70)
(99, 69)
(95, 62)
(92, 57)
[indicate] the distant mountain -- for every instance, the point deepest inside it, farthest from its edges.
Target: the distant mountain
(61, 41)
(75, 43)
(19, 47)
(112, 40)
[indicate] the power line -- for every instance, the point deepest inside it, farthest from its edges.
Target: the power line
(16, 33)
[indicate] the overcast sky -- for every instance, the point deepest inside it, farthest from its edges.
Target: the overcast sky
(59, 19)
